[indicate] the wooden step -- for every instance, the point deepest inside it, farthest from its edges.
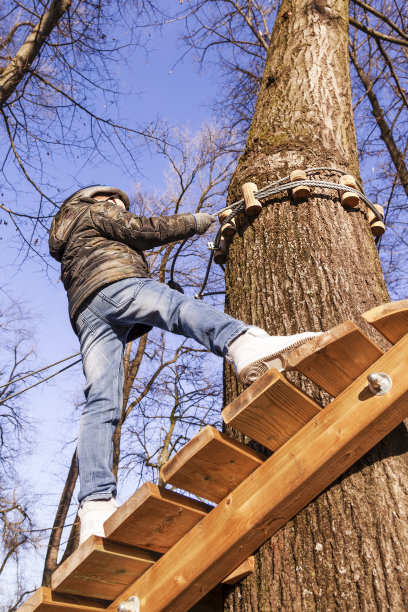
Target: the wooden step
(270, 411)
(391, 319)
(154, 518)
(286, 482)
(101, 568)
(211, 465)
(335, 359)
(44, 600)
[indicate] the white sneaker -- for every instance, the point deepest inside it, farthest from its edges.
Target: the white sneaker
(255, 352)
(92, 515)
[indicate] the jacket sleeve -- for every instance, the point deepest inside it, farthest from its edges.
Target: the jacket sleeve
(140, 233)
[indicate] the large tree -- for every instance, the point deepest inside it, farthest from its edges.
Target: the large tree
(231, 38)
(309, 266)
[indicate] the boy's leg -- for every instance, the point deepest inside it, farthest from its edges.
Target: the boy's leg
(102, 350)
(250, 349)
(157, 305)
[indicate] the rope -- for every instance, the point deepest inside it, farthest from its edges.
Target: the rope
(283, 184)
(39, 382)
(15, 380)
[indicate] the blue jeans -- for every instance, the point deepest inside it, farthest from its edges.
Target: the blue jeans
(103, 324)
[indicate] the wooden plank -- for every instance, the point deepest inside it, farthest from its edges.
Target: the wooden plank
(245, 569)
(336, 358)
(391, 319)
(102, 569)
(154, 518)
(271, 410)
(44, 600)
(284, 484)
(211, 465)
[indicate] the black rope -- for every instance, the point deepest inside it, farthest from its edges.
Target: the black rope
(15, 380)
(6, 399)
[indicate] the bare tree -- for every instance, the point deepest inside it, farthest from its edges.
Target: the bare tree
(59, 98)
(17, 532)
(231, 38)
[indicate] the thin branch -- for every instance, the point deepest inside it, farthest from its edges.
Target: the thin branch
(381, 16)
(376, 34)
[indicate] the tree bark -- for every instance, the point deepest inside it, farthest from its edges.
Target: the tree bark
(310, 266)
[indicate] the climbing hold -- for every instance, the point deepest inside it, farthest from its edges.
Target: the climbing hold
(377, 226)
(252, 205)
(348, 198)
(303, 191)
(229, 228)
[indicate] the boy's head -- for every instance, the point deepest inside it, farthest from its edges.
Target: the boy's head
(99, 193)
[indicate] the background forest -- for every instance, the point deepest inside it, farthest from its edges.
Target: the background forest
(156, 98)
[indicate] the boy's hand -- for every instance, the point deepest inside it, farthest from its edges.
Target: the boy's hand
(203, 222)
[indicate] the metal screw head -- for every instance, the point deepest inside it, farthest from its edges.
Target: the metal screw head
(379, 383)
(131, 605)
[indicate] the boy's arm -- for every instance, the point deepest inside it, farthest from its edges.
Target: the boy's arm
(140, 232)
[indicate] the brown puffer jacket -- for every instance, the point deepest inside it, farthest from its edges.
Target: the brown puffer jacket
(100, 243)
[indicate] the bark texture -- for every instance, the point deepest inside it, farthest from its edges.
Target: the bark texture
(310, 266)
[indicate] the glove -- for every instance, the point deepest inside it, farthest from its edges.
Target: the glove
(203, 222)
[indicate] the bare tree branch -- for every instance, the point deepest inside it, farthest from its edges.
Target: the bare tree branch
(14, 72)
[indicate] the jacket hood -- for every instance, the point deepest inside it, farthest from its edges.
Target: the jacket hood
(71, 210)
(63, 224)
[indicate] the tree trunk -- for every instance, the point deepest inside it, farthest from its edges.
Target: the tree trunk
(54, 542)
(310, 266)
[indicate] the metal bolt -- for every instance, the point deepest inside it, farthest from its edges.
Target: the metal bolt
(379, 383)
(131, 605)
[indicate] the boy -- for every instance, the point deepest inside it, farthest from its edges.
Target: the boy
(112, 300)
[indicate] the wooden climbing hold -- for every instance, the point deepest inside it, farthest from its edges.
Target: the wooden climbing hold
(348, 198)
(229, 228)
(220, 254)
(303, 191)
(252, 205)
(377, 226)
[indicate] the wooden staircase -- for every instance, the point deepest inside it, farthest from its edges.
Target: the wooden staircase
(169, 550)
